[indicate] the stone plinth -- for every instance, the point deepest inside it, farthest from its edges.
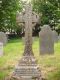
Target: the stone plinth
(27, 69)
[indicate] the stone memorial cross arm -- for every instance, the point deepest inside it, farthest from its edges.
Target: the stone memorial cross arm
(28, 18)
(27, 68)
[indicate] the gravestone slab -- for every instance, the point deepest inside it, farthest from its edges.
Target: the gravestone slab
(55, 36)
(1, 49)
(3, 38)
(46, 40)
(59, 37)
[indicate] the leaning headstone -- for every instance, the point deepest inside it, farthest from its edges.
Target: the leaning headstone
(27, 68)
(3, 38)
(1, 49)
(55, 36)
(46, 40)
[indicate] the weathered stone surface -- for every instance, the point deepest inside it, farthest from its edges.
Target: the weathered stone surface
(1, 49)
(28, 18)
(46, 40)
(59, 37)
(3, 38)
(27, 68)
(55, 36)
(23, 39)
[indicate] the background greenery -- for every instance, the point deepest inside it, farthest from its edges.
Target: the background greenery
(48, 10)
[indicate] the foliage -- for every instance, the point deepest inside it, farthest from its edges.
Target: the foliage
(8, 10)
(50, 10)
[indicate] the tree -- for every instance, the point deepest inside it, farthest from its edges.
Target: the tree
(8, 12)
(50, 10)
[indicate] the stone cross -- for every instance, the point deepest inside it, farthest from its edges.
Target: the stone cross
(27, 68)
(28, 18)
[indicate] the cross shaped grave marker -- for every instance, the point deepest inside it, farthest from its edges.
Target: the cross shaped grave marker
(27, 68)
(29, 19)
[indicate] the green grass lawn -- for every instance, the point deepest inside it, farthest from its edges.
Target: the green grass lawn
(49, 64)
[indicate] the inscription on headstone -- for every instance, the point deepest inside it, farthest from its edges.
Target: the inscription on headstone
(46, 40)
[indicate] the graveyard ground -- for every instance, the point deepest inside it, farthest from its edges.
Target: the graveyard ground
(49, 64)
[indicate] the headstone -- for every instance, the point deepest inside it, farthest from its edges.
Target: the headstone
(1, 49)
(59, 37)
(55, 36)
(3, 38)
(27, 68)
(46, 40)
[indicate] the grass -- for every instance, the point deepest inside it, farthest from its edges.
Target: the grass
(49, 64)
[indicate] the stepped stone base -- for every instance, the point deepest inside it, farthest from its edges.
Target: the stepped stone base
(27, 69)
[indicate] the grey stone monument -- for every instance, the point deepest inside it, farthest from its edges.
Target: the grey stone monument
(46, 40)
(55, 36)
(59, 37)
(3, 38)
(23, 39)
(27, 68)
(1, 49)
